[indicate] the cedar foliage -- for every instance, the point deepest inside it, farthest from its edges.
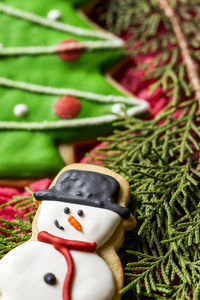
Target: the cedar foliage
(16, 232)
(159, 157)
(159, 163)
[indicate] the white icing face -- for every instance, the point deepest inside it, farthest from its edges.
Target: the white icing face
(54, 15)
(20, 110)
(97, 224)
(119, 109)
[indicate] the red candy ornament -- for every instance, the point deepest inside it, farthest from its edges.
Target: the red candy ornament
(67, 107)
(69, 55)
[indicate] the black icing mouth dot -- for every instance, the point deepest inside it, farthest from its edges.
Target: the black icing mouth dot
(66, 210)
(50, 278)
(58, 225)
(80, 213)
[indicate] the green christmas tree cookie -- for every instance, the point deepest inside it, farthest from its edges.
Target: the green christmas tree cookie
(52, 87)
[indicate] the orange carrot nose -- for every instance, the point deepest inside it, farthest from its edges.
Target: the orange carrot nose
(75, 223)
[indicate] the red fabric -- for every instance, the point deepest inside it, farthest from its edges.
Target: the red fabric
(134, 82)
(6, 194)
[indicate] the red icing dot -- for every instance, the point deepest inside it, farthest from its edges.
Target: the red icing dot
(67, 107)
(70, 55)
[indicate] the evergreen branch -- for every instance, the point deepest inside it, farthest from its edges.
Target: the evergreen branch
(18, 231)
(13, 233)
(191, 67)
(165, 193)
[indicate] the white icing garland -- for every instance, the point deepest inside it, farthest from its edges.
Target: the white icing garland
(55, 24)
(142, 107)
(55, 48)
(64, 91)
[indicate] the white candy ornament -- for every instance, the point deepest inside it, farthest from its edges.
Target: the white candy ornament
(20, 110)
(78, 227)
(54, 15)
(119, 109)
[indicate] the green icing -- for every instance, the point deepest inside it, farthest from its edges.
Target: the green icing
(34, 154)
(17, 147)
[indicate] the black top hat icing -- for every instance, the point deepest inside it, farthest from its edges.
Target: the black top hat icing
(86, 188)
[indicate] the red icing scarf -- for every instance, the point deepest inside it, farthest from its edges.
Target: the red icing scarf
(64, 246)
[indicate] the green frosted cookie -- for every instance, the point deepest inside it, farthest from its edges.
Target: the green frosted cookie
(51, 93)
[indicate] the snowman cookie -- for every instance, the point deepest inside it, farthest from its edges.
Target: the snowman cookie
(78, 227)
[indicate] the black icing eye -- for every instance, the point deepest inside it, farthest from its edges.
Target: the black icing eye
(80, 213)
(50, 278)
(66, 210)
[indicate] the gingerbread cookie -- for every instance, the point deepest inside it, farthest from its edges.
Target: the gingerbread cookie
(52, 87)
(78, 227)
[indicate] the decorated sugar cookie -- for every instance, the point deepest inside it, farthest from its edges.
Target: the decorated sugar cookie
(53, 89)
(78, 227)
